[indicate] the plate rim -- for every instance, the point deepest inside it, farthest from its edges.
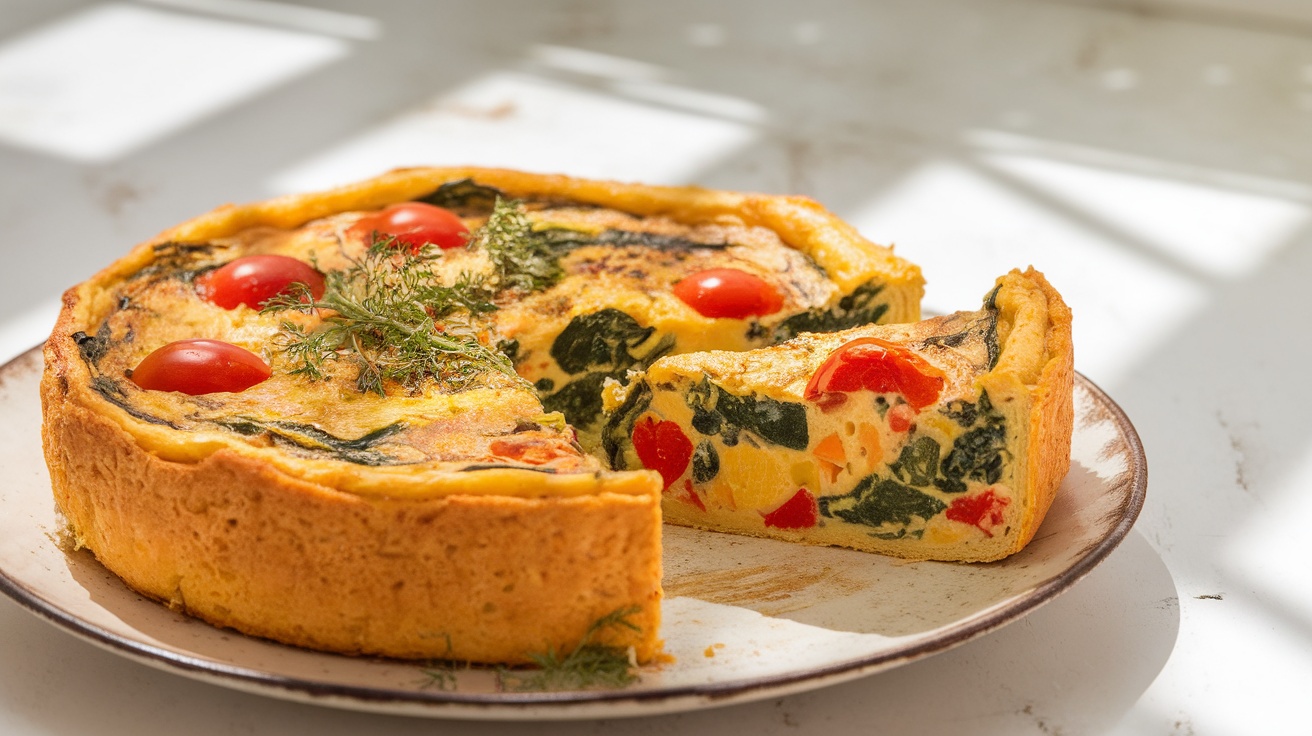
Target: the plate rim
(566, 705)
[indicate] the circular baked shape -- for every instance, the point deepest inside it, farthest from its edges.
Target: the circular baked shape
(292, 511)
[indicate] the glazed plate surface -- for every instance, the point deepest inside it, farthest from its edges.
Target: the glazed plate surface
(744, 619)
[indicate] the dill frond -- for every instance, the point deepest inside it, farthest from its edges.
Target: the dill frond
(590, 664)
(437, 678)
(521, 258)
(389, 316)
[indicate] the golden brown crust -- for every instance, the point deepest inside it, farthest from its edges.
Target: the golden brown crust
(1052, 416)
(1030, 386)
(800, 222)
(228, 537)
(237, 543)
(1036, 374)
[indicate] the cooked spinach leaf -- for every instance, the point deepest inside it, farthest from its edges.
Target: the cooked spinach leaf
(976, 455)
(94, 348)
(564, 239)
(618, 430)
(505, 466)
(858, 308)
(878, 501)
(309, 437)
(579, 400)
(705, 462)
(918, 462)
(985, 329)
(652, 240)
(111, 391)
(601, 339)
(464, 195)
(716, 411)
(595, 347)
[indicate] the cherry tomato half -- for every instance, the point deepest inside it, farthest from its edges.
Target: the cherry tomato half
(200, 367)
(253, 280)
(663, 447)
(875, 365)
(415, 224)
(728, 292)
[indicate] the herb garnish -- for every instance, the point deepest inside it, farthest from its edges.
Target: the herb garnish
(390, 316)
(591, 664)
(521, 258)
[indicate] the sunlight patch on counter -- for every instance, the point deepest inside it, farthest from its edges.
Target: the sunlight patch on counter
(1160, 237)
(965, 229)
(530, 122)
(111, 79)
(1218, 224)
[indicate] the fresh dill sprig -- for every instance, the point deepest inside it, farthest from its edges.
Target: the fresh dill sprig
(521, 258)
(437, 678)
(590, 664)
(390, 316)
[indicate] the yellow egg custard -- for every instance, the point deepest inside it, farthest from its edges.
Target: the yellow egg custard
(366, 420)
(943, 439)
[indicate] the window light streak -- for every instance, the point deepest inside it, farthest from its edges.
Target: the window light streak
(110, 79)
(965, 228)
(1006, 142)
(299, 17)
(1218, 225)
(694, 101)
(706, 35)
(528, 122)
(593, 63)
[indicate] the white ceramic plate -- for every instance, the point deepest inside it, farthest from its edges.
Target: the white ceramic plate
(744, 618)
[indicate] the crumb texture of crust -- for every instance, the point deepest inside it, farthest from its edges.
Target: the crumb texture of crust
(1040, 357)
(1030, 386)
(262, 548)
(241, 545)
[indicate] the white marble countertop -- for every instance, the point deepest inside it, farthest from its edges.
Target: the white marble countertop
(1156, 165)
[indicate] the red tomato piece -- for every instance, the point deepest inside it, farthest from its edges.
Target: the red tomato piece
(728, 292)
(799, 512)
(983, 510)
(531, 450)
(900, 417)
(663, 447)
(414, 224)
(254, 280)
(200, 367)
(876, 365)
(689, 496)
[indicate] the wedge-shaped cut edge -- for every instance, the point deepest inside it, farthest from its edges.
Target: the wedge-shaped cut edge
(1026, 373)
(493, 565)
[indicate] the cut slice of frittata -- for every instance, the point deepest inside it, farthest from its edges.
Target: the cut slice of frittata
(941, 439)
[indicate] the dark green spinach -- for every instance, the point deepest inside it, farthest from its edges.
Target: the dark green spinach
(716, 411)
(617, 432)
(579, 400)
(464, 195)
(918, 462)
(594, 347)
(705, 462)
(858, 308)
(877, 501)
(978, 454)
(601, 340)
(309, 437)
